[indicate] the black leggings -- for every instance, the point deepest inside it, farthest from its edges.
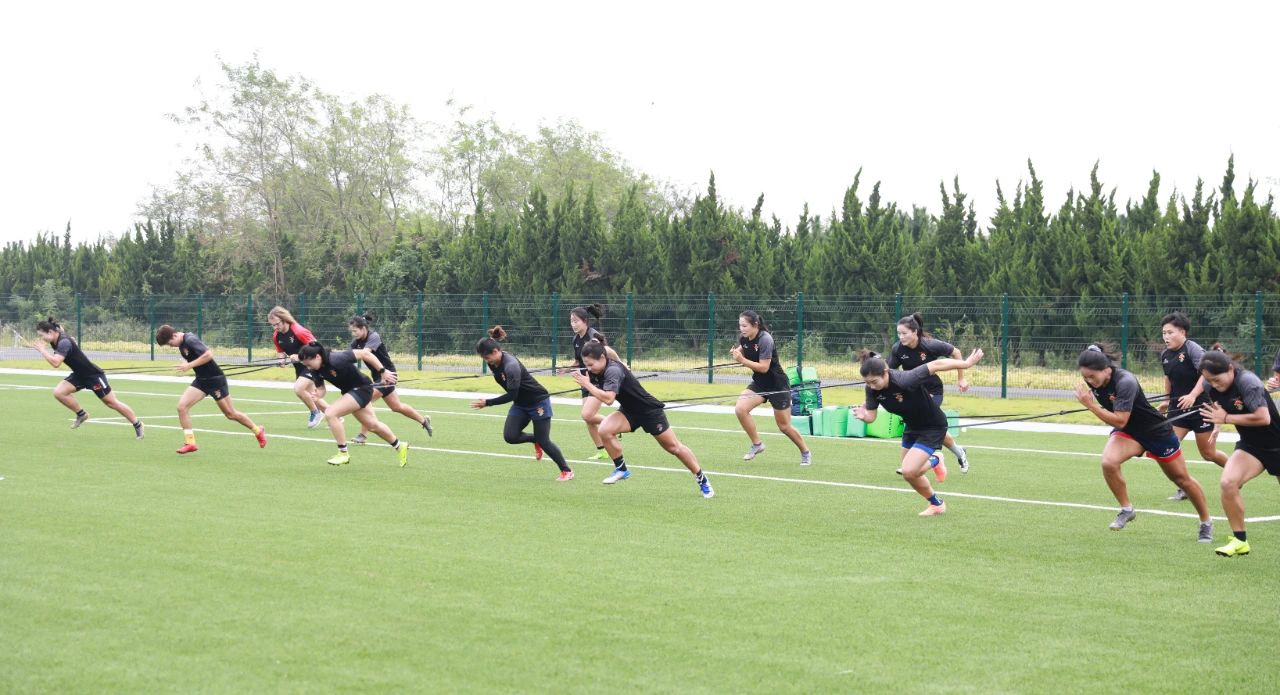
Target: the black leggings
(514, 433)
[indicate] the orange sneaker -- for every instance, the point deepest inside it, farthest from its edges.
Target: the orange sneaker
(940, 470)
(537, 452)
(261, 436)
(565, 476)
(935, 510)
(188, 448)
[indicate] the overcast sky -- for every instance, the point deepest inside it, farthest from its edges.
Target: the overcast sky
(788, 99)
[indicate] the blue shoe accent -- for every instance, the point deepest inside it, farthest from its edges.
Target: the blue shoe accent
(706, 490)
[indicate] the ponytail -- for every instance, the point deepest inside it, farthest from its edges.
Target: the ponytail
(487, 346)
(1097, 356)
(49, 325)
(872, 364)
(914, 323)
(754, 319)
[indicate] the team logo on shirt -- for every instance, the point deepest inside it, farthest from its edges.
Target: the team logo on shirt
(1182, 357)
(923, 355)
(1112, 397)
(1238, 404)
(898, 396)
(333, 372)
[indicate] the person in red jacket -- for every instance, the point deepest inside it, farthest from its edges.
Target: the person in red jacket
(289, 337)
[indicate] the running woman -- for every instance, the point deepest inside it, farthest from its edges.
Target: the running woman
(755, 351)
(1115, 397)
(610, 381)
(580, 319)
(289, 338)
(209, 381)
(340, 369)
(907, 395)
(365, 338)
(529, 402)
(1237, 397)
(1181, 364)
(84, 374)
(914, 348)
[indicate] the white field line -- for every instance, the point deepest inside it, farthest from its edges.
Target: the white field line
(744, 476)
(578, 421)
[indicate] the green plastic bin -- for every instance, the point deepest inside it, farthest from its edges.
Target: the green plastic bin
(953, 421)
(856, 427)
(802, 424)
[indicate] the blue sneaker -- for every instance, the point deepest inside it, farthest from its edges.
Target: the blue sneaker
(314, 420)
(617, 475)
(706, 489)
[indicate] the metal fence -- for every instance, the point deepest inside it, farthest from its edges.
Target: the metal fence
(1031, 342)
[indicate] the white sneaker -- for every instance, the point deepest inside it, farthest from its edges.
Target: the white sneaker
(618, 475)
(753, 452)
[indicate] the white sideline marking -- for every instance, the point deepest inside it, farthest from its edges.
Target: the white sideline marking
(149, 418)
(745, 476)
(578, 421)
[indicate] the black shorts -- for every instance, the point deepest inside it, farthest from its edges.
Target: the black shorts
(779, 401)
(384, 390)
(362, 396)
(215, 386)
(930, 438)
(95, 382)
(937, 398)
(1270, 458)
(302, 372)
(654, 422)
(1196, 423)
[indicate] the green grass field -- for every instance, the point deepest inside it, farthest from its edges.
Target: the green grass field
(124, 567)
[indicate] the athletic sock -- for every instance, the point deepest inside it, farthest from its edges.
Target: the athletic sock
(189, 437)
(620, 464)
(1127, 510)
(1240, 535)
(933, 499)
(342, 448)
(395, 444)
(701, 477)
(600, 448)
(953, 448)
(80, 413)
(137, 424)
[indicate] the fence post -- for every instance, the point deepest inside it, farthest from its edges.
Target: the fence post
(79, 327)
(711, 335)
(200, 314)
(1004, 346)
(302, 308)
(799, 331)
(897, 307)
(151, 316)
(420, 297)
(359, 303)
(484, 327)
(555, 311)
(1257, 333)
(1124, 331)
(248, 327)
(631, 319)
